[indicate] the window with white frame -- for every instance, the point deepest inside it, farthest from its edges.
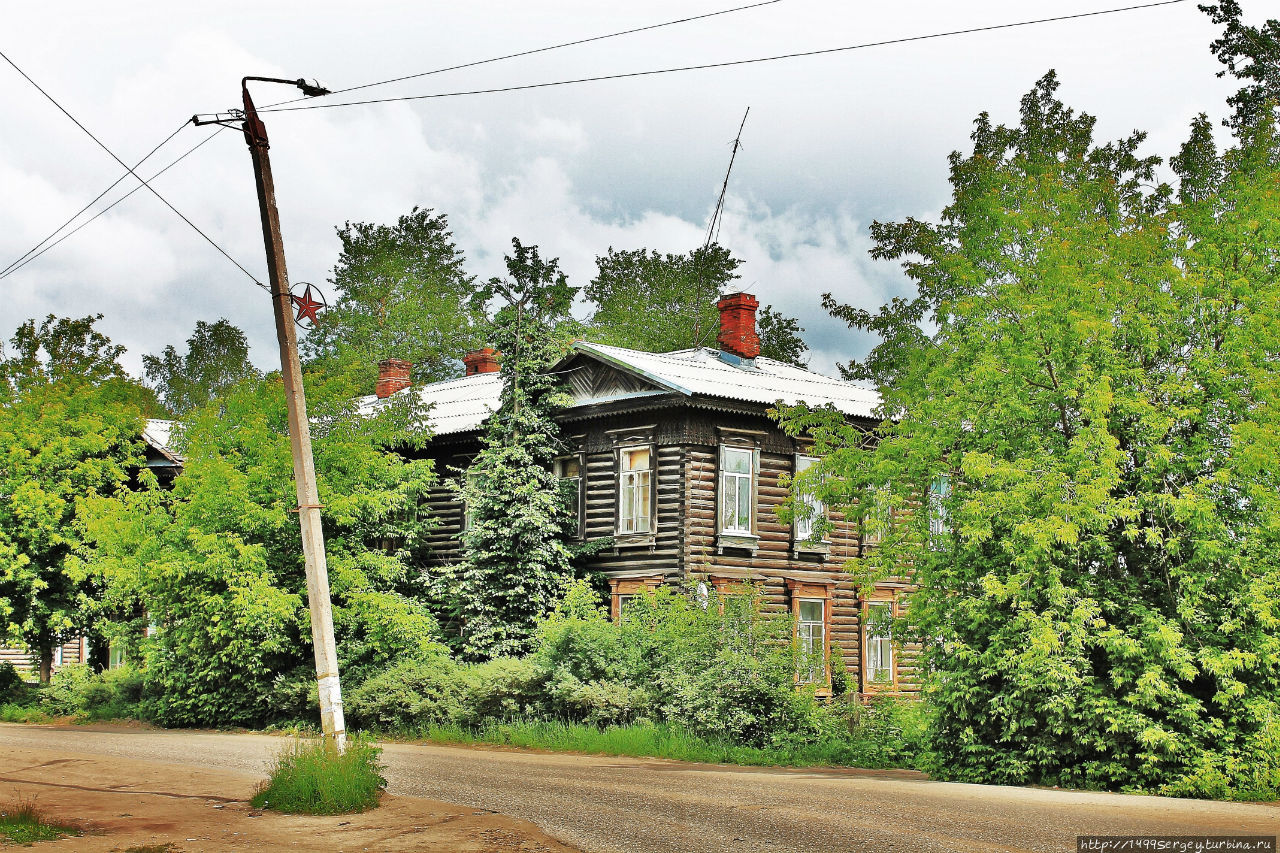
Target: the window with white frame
(635, 489)
(811, 633)
(939, 526)
(808, 507)
(878, 630)
(878, 515)
(569, 473)
(737, 481)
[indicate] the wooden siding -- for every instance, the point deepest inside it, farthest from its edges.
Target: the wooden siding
(683, 543)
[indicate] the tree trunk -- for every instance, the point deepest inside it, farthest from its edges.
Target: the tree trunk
(46, 665)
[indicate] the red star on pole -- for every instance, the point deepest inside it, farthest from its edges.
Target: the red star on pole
(307, 306)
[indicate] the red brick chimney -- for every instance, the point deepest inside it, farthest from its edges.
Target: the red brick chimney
(393, 376)
(481, 361)
(738, 325)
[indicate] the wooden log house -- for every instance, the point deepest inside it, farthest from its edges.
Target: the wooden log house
(678, 465)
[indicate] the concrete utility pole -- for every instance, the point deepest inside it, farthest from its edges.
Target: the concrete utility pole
(304, 474)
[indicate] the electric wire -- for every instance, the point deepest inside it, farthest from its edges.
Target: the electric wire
(24, 259)
(19, 261)
(726, 64)
(152, 189)
(106, 209)
(533, 51)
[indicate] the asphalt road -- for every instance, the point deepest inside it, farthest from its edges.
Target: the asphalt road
(619, 804)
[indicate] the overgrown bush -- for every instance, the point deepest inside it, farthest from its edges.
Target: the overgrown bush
(409, 696)
(75, 690)
(10, 680)
(312, 777)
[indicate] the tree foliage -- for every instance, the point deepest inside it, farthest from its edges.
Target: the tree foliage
(70, 429)
(217, 358)
(657, 303)
(401, 292)
(216, 564)
(515, 563)
(1251, 54)
(1100, 593)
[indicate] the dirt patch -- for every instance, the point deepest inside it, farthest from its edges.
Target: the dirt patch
(128, 806)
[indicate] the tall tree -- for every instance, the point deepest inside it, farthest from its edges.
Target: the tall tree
(1250, 54)
(401, 292)
(656, 303)
(217, 357)
(1093, 414)
(217, 562)
(70, 428)
(515, 564)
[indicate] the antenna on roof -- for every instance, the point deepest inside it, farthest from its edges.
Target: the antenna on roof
(717, 216)
(713, 229)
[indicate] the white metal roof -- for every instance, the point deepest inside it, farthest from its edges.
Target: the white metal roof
(461, 405)
(760, 380)
(156, 433)
(457, 405)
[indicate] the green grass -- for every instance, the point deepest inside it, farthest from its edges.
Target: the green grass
(658, 740)
(312, 777)
(22, 823)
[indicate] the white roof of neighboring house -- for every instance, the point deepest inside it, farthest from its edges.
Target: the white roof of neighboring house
(457, 405)
(461, 405)
(156, 433)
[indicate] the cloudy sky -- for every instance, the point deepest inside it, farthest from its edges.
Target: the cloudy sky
(833, 142)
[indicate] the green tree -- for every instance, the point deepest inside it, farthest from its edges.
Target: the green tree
(216, 564)
(70, 429)
(515, 563)
(401, 292)
(1094, 415)
(1251, 54)
(656, 303)
(217, 357)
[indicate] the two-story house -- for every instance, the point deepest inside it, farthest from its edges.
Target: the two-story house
(677, 464)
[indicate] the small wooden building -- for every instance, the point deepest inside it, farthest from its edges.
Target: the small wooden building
(679, 466)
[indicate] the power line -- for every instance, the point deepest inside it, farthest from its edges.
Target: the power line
(78, 213)
(77, 123)
(535, 50)
(36, 250)
(189, 151)
(709, 65)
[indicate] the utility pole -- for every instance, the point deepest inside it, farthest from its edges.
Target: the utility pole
(304, 473)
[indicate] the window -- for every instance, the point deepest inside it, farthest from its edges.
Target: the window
(939, 527)
(624, 604)
(811, 633)
(569, 472)
(635, 489)
(737, 475)
(878, 516)
(808, 508)
(878, 630)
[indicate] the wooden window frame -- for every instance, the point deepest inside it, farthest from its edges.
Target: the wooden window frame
(634, 438)
(874, 497)
(807, 544)
(809, 591)
(939, 522)
(878, 598)
(623, 588)
(741, 440)
(580, 510)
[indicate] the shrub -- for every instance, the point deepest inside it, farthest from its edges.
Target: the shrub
(10, 681)
(409, 696)
(312, 777)
(67, 690)
(504, 688)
